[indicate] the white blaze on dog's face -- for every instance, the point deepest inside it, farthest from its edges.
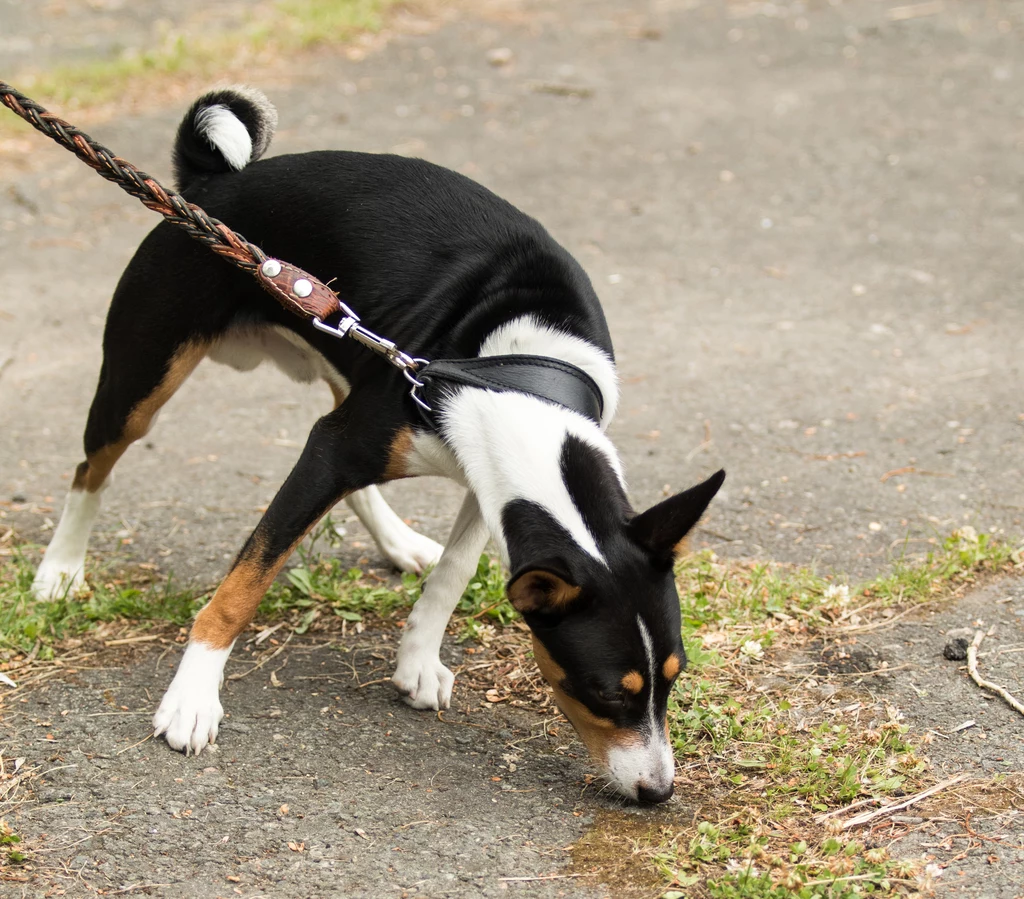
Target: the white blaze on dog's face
(612, 678)
(606, 634)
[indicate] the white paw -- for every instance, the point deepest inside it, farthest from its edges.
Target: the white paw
(414, 553)
(56, 581)
(190, 712)
(424, 682)
(188, 721)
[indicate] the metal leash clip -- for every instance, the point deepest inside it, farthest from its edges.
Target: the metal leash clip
(408, 365)
(349, 318)
(416, 384)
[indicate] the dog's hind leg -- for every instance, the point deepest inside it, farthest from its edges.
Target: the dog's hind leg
(407, 550)
(133, 386)
(342, 454)
(420, 676)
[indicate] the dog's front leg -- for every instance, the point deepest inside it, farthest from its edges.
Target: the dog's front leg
(424, 682)
(341, 455)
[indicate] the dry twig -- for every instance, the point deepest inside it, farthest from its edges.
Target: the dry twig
(865, 817)
(972, 669)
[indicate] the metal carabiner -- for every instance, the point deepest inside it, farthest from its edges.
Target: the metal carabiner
(409, 373)
(339, 330)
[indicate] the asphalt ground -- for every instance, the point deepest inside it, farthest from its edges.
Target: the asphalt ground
(804, 221)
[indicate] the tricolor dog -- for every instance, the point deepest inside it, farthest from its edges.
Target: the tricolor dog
(448, 271)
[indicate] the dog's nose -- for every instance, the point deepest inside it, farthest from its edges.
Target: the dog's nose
(654, 794)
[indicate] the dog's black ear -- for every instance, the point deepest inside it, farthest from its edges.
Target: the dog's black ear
(662, 527)
(546, 588)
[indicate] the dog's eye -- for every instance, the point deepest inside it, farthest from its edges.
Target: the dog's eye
(610, 697)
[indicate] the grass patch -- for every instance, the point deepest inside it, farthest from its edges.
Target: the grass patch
(750, 598)
(30, 626)
(318, 588)
(320, 583)
(308, 23)
(273, 30)
(771, 763)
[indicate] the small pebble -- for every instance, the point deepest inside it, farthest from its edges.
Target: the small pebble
(500, 56)
(956, 649)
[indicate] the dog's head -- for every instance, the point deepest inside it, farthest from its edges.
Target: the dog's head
(606, 632)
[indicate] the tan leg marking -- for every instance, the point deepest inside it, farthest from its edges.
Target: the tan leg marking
(398, 455)
(233, 606)
(225, 616)
(91, 474)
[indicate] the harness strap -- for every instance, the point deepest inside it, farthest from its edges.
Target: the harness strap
(548, 379)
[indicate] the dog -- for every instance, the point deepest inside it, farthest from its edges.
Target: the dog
(448, 271)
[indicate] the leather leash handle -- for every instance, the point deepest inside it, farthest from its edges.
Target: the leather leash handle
(296, 290)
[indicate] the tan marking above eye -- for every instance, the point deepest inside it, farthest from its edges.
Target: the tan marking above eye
(671, 667)
(633, 681)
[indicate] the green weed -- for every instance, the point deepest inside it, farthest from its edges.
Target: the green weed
(319, 583)
(756, 862)
(27, 624)
(484, 603)
(9, 841)
(350, 593)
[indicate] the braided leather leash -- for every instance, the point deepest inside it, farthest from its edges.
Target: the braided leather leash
(296, 290)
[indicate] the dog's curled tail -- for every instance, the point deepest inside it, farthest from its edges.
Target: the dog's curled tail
(223, 131)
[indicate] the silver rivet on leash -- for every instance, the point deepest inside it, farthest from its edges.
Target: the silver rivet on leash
(302, 288)
(271, 268)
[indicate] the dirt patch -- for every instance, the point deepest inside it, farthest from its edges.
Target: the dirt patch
(846, 659)
(467, 797)
(611, 852)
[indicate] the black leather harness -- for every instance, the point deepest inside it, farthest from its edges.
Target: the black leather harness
(543, 377)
